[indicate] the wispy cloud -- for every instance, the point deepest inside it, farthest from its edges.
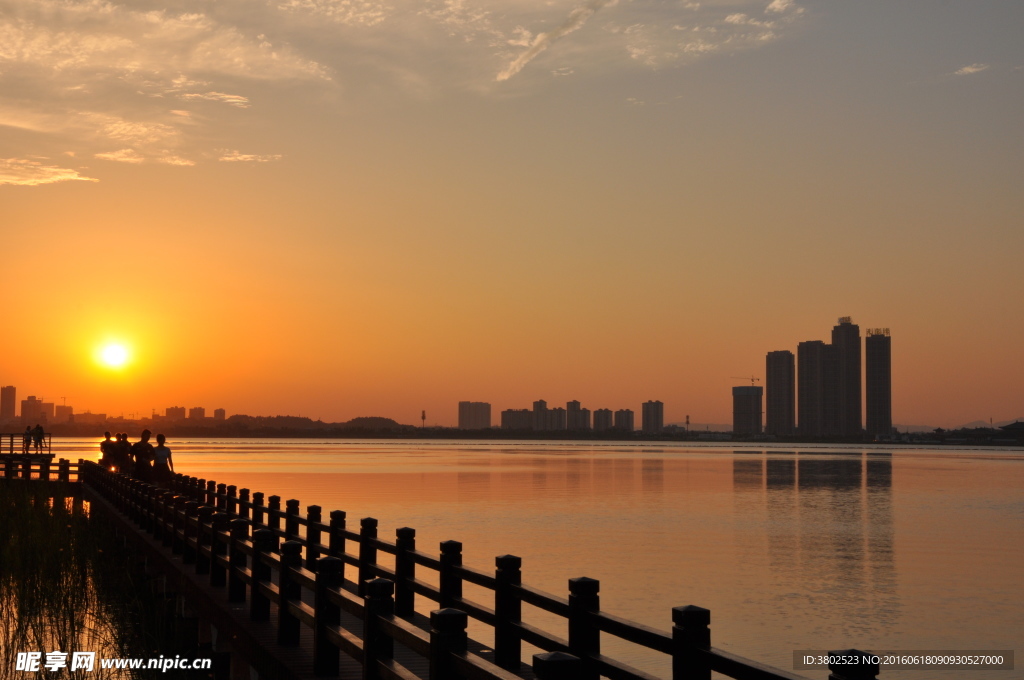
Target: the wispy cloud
(543, 41)
(25, 172)
(236, 156)
(973, 68)
(122, 156)
(231, 99)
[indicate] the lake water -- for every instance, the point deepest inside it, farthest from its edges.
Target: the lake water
(790, 548)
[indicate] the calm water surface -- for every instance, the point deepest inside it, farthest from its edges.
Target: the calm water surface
(810, 548)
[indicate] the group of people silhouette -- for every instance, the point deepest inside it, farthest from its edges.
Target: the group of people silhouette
(32, 435)
(141, 460)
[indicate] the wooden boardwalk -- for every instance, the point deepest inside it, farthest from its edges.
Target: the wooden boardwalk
(291, 596)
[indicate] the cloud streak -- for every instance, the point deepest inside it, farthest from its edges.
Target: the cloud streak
(24, 172)
(543, 41)
(969, 70)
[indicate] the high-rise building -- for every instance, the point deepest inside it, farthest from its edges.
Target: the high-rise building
(624, 420)
(818, 388)
(540, 415)
(653, 417)
(7, 402)
(63, 414)
(474, 415)
(517, 419)
(197, 413)
(846, 339)
(219, 414)
(746, 409)
(174, 413)
(878, 381)
(576, 418)
(31, 411)
(780, 388)
(603, 420)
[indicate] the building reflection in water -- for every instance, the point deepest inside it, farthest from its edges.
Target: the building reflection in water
(828, 524)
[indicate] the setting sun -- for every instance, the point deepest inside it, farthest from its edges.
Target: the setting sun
(114, 355)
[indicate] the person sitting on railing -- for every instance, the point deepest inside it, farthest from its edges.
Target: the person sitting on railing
(142, 456)
(163, 466)
(37, 435)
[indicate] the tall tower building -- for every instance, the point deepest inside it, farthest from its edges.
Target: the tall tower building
(7, 402)
(540, 415)
(474, 415)
(602, 420)
(653, 417)
(624, 420)
(576, 418)
(746, 409)
(878, 381)
(846, 339)
(780, 379)
(818, 388)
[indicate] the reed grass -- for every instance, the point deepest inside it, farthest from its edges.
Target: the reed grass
(64, 586)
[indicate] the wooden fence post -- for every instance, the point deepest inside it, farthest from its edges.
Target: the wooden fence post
(232, 500)
(691, 638)
(257, 509)
(211, 493)
(204, 517)
(859, 671)
(243, 503)
(291, 520)
(584, 635)
(273, 512)
(508, 612)
(188, 552)
(313, 517)
(222, 501)
(217, 548)
(447, 637)
(450, 583)
(557, 666)
(328, 615)
(290, 590)
(236, 585)
(405, 571)
(377, 645)
(367, 551)
(264, 541)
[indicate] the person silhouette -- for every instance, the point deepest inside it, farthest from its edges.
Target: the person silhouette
(26, 439)
(163, 465)
(37, 436)
(107, 451)
(142, 456)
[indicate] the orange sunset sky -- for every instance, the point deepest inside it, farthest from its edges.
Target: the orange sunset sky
(341, 208)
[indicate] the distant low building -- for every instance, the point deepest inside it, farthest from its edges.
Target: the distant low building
(219, 414)
(197, 413)
(63, 414)
(90, 418)
(174, 413)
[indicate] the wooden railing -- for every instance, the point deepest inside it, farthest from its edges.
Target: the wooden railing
(297, 564)
(31, 467)
(14, 444)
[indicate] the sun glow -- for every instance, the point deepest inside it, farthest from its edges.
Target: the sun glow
(113, 355)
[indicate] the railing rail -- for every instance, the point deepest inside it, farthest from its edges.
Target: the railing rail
(305, 568)
(24, 443)
(32, 467)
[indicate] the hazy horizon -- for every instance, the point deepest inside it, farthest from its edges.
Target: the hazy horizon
(342, 208)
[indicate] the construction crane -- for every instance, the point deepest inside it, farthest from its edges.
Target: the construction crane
(752, 379)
